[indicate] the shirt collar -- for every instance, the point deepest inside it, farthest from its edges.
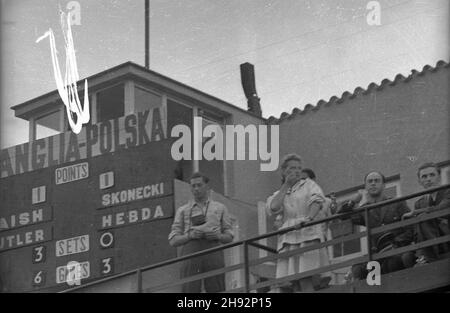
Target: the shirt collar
(299, 184)
(193, 203)
(372, 201)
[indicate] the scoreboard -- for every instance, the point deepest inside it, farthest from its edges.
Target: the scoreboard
(103, 207)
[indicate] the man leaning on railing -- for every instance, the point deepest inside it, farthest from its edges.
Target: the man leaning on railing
(429, 176)
(199, 225)
(374, 192)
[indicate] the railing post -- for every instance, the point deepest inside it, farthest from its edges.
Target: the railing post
(139, 281)
(369, 236)
(246, 268)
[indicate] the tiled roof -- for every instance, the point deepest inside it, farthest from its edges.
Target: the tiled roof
(358, 91)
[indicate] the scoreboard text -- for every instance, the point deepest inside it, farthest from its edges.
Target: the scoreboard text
(102, 212)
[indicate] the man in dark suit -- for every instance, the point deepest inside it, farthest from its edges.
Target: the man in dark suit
(388, 214)
(429, 175)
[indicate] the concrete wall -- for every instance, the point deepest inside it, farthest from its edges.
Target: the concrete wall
(245, 180)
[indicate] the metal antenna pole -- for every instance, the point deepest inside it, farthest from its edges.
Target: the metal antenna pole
(147, 34)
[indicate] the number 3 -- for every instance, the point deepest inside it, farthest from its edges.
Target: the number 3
(107, 266)
(39, 254)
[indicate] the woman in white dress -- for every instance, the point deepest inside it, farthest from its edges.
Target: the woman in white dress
(298, 200)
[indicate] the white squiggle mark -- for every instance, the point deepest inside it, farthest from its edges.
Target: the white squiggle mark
(67, 88)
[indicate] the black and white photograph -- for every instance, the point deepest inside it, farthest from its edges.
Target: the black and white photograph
(249, 148)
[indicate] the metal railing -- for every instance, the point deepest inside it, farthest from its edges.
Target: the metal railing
(253, 242)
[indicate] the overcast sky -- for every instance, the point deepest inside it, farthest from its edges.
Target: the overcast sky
(303, 50)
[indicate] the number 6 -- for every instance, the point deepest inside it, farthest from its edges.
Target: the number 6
(39, 278)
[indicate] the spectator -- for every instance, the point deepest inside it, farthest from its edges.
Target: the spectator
(201, 224)
(374, 193)
(298, 200)
(308, 173)
(328, 209)
(429, 175)
(330, 206)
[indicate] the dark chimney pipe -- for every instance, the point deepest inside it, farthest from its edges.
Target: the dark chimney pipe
(248, 84)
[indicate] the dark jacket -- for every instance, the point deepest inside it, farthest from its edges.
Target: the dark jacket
(388, 214)
(434, 227)
(442, 201)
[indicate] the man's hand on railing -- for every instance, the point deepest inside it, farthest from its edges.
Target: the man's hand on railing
(408, 215)
(353, 203)
(415, 213)
(347, 207)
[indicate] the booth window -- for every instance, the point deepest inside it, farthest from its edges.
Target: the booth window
(214, 169)
(145, 100)
(110, 103)
(48, 124)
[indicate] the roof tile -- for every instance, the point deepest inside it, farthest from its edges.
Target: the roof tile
(399, 78)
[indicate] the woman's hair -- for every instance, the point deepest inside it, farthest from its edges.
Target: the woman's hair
(310, 173)
(290, 157)
(284, 163)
